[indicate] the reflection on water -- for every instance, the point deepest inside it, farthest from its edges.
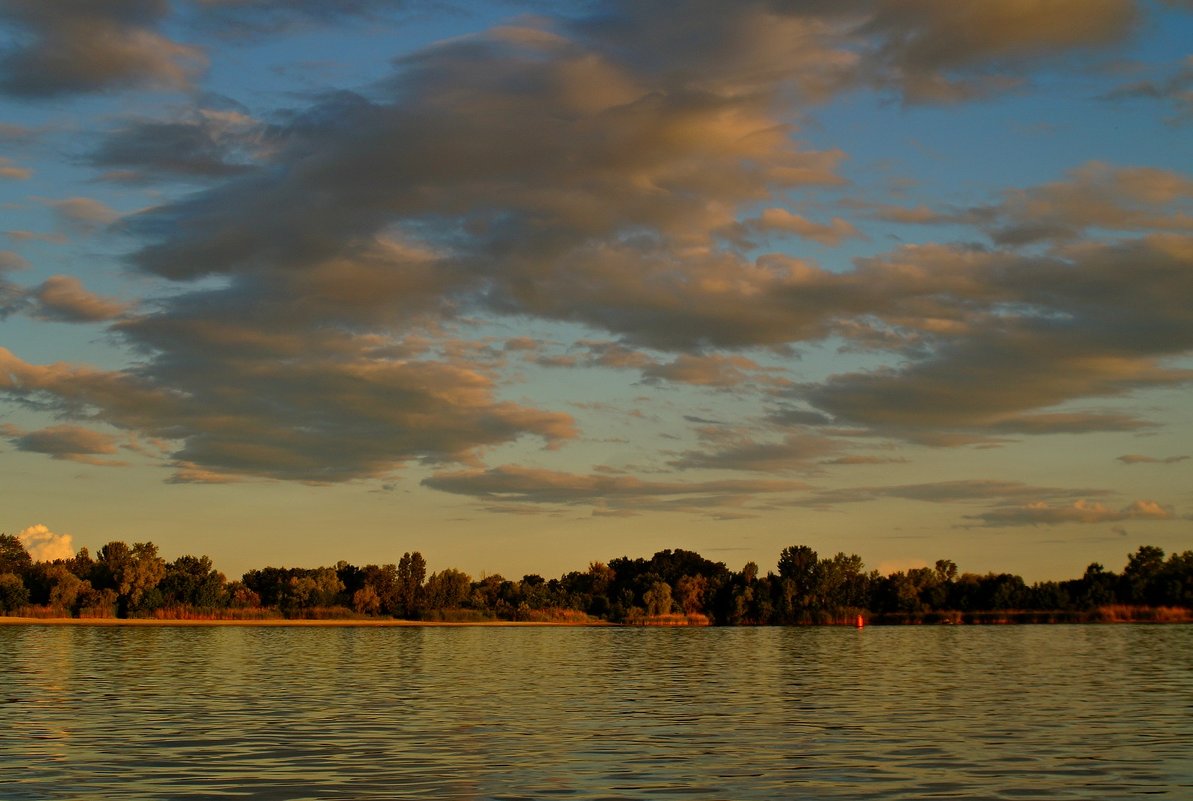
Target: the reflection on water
(344, 713)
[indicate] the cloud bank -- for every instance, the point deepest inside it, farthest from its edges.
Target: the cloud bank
(634, 175)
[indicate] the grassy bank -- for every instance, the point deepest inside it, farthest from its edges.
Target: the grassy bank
(1118, 613)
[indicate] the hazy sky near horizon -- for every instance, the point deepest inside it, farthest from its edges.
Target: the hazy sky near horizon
(522, 285)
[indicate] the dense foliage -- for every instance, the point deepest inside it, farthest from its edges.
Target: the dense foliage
(134, 581)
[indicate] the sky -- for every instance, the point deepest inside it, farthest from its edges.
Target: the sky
(525, 285)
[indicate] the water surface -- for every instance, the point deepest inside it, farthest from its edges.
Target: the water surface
(1018, 712)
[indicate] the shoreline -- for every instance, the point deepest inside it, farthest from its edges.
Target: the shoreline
(283, 622)
(876, 622)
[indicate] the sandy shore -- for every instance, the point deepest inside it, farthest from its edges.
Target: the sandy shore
(72, 621)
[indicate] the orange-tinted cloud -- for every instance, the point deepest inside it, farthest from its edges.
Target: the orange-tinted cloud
(77, 46)
(44, 545)
(63, 298)
(13, 171)
(69, 442)
(1041, 513)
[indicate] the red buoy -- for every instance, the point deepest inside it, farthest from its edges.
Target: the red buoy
(860, 622)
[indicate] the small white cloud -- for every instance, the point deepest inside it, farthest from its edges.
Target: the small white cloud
(46, 546)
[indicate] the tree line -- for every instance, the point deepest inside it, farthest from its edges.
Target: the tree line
(672, 586)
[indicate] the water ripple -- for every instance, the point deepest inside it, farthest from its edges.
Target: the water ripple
(587, 714)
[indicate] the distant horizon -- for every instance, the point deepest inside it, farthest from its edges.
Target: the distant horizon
(524, 285)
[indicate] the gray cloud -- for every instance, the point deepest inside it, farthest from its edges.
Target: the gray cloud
(1135, 458)
(568, 173)
(328, 419)
(1094, 195)
(1175, 88)
(942, 51)
(1069, 423)
(247, 19)
(69, 442)
(961, 491)
(731, 451)
(790, 416)
(12, 296)
(1033, 338)
(78, 46)
(511, 483)
(206, 143)
(928, 51)
(863, 460)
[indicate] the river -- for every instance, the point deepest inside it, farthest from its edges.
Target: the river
(1012, 712)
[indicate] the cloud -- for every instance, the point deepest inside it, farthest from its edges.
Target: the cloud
(1031, 336)
(960, 491)
(1174, 88)
(12, 299)
(1095, 195)
(68, 442)
(64, 299)
(908, 215)
(1012, 503)
(925, 51)
(248, 19)
(327, 419)
(512, 483)
(790, 416)
(1044, 514)
(781, 220)
(77, 46)
(737, 452)
(731, 49)
(35, 236)
(61, 298)
(12, 171)
(1069, 423)
(188, 473)
(1134, 458)
(581, 171)
(376, 221)
(83, 215)
(11, 261)
(205, 143)
(860, 460)
(713, 370)
(15, 133)
(944, 51)
(594, 353)
(44, 545)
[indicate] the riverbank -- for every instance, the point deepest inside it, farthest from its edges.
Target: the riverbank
(1102, 615)
(1115, 613)
(283, 622)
